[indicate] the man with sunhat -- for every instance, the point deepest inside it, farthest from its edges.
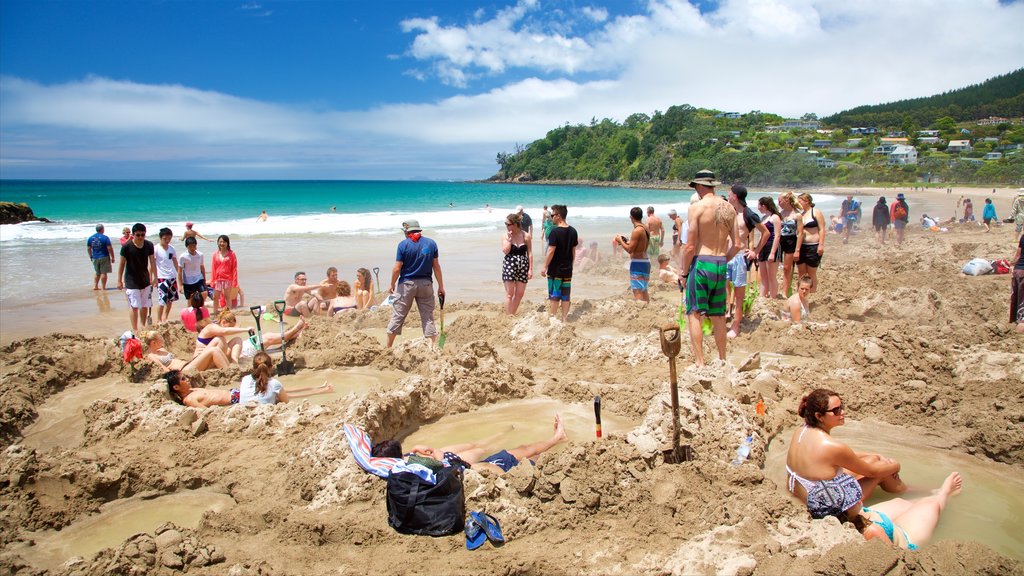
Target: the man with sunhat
(415, 265)
(711, 243)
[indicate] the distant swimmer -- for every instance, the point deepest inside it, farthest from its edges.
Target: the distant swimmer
(192, 233)
(333, 209)
(262, 217)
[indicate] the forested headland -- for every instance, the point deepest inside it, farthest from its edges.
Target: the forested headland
(854, 147)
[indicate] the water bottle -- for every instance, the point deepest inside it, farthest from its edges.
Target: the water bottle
(743, 451)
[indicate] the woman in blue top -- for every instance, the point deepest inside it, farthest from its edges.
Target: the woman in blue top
(989, 214)
(261, 386)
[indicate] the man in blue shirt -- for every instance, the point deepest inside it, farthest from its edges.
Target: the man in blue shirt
(415, 263)
(102, 255)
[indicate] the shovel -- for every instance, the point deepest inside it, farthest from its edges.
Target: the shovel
(441, 339)
(284, 366)
(670, 343)
(682, 297)
(256, 311)
(376, 274)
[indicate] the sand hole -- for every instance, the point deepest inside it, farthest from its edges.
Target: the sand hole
(119, 520)
(61, 421)
(989, 510)
(355, 380)
(518, 422)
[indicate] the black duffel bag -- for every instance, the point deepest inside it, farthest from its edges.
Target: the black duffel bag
(417, 507)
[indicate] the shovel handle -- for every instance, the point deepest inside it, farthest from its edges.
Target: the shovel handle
(256, 311)
(440, 298)
(279, 307)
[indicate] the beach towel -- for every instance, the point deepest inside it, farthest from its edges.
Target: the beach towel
(359, 442)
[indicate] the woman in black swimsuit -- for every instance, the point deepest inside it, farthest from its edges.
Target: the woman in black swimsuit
(517, 267)
(810, 239)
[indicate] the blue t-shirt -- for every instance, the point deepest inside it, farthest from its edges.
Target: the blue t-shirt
(417, 258)
(247, 391)
(99, 244)
(989, 211)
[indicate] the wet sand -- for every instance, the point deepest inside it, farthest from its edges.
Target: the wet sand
(923, 356)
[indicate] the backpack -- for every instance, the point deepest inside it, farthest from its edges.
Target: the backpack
(416, 506)
(900, 211)
(1001, 266)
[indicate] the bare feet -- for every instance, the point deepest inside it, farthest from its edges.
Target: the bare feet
(560, 429)
(952, 485)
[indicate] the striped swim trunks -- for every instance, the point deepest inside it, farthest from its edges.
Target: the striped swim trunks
(705, 288)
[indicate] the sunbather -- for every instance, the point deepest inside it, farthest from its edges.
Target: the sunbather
(472, 453)
(210, 357)
(182, 392)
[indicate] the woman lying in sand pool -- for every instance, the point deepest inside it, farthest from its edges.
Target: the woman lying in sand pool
(182, 392)
(472, 453)
(156, 352)
(262, 387)
(817, 465)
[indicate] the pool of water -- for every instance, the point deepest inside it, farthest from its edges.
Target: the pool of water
(119, 520)
(509, 424)
(989, 509)
(355, 380)
(60, 420)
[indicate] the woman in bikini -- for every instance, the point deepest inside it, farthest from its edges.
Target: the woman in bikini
(363, 289)
(798, 306)
(215, 335)
(182, 392)
(517, 267)
(810, 239)
(833, 480)
(790, 216)
(344, 301)
(211, 357)
(770, 254)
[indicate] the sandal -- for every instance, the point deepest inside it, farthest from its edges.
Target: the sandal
(490, 526)
(475, 535)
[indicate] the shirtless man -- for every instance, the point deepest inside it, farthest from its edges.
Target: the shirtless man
(190, 233)
(746, 222)
(657, 230)
(711, 242)
(327, 290)
(636, 246)
(298, 298)
(678, 237)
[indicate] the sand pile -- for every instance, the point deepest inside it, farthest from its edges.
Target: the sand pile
(901, 335)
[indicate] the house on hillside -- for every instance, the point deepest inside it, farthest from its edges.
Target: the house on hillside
(928, 140)
(993, 120)
(959, 146)
(903, 154)
(822, 144)
(928, 133)
(993, 156)
(897, 134)
(894, 140)
(729, 115)
(990, 140)
(844, 151)
(801, 125)
(864, 131)
(853, 142)
(825, 162)
(884, 149)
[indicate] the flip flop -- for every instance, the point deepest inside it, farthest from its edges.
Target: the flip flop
(475, 536)
(490, 526)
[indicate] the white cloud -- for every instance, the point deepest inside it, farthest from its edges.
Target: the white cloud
(783, 56)
(596, 14)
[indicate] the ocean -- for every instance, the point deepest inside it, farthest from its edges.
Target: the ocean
(45, 274)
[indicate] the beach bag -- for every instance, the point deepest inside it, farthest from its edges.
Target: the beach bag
(900, 211)
(1001, 266)
(416, 506)
(977, 267)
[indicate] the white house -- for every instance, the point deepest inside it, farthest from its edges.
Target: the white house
(993, 156)
(959, 146)
(903, 154)
(825, 162)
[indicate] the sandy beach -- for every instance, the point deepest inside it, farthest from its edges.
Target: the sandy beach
(923, 356)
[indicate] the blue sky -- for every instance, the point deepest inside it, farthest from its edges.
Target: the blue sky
(433, 90)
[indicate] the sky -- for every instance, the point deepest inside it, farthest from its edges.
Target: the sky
(435, 89)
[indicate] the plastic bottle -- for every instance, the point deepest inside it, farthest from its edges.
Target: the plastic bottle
(743, 451)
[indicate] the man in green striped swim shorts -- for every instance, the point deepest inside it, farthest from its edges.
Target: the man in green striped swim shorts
(711, 243)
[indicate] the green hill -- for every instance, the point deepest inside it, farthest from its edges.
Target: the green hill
(1000, 96)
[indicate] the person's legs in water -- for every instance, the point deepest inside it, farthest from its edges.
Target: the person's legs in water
(529, 451)
(920, 517)
(892, 484)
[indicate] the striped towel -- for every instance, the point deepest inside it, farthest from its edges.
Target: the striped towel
(359, 442)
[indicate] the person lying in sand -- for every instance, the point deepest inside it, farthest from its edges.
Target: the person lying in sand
(215, 335)
(798, 307)
(666, 272)
(248, 347)
(183, 393)
(472, 453)
(156, 352)
(261, 386)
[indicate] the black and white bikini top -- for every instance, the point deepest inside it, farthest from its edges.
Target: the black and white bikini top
(517, 250)
(812, 223)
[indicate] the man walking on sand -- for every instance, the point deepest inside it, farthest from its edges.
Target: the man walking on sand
(746, 222)
(711, 243)
(562, 241)
(416, 262)
(136, 275)
(636, 246)
(102, 255)
(657, 230)
(167, 271)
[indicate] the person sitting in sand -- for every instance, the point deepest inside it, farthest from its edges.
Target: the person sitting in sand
(363, 289)
(472, 453)
(299, 299)
(666, 272)
(182, 392)
(261, 386)
(817, 465)
(344, 301)
(797, 307)
(214, 335)
(156, 352)
(248, 347)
